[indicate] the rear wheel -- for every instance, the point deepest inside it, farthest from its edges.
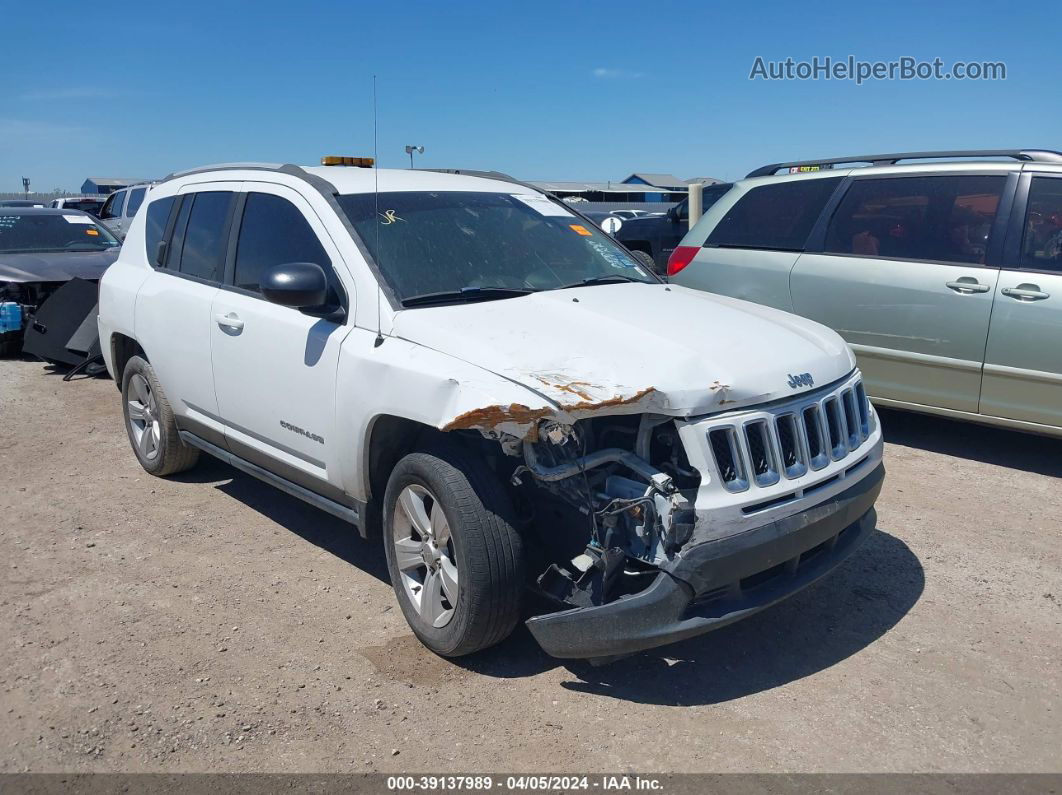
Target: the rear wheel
(150, 423)
(455, 561)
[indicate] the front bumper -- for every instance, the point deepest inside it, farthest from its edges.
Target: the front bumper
(719, 582)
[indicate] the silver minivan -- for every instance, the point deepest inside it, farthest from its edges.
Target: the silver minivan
(943, 274)
(118, 211)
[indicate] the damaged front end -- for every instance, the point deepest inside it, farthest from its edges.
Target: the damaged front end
(627, 481)
(640, 547)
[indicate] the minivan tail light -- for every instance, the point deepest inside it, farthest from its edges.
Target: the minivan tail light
(680, 258)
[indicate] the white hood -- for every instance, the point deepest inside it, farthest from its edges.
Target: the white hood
(634, 348)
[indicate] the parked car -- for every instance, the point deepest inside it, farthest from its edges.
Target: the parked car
(945, 277)
(19, 203)
(120, 208)
(657, 235)
(88, 204)
(459, 362)
(41, 249)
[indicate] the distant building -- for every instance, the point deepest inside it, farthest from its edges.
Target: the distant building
(104, 185)
(607, 191)
(668, 182)
(665, 181)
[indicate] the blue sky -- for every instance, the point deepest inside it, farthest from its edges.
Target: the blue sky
(543, 90)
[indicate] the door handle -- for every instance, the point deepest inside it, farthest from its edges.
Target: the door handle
(967, 285)
(231, 320)
(1025, 292)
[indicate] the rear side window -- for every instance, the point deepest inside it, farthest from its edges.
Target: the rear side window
(200, 234)
(136, 198)
(274, 232)
(1042, 242)
(936, 218)
(778, 216)
(158, 213)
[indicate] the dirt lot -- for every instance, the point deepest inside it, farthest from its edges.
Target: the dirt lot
(209, 623)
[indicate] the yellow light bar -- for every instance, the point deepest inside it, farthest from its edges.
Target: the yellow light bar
(343, 160)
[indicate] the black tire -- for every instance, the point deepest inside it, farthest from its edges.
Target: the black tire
(488, 550)
(646, 259)
(170, 454)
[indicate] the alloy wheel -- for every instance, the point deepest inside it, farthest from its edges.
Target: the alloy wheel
(425, 555)
(142, 411)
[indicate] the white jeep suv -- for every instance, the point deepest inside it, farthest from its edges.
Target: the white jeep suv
(469, 367)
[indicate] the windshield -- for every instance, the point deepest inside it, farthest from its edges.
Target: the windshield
(52, 232)
(448, 242)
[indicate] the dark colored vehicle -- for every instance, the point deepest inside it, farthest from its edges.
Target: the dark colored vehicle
(40, 250)
(19, 203)
(657, 235)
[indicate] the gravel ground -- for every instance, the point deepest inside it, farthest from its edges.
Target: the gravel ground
(210, 623)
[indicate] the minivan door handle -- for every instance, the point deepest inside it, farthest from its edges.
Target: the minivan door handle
(231, 320)
(1025, 292)
(967, 285)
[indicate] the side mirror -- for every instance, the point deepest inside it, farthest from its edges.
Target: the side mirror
(297, 284)
(679, 213)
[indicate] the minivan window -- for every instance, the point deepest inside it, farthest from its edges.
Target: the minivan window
(158, 213)
(1042, 241)
(113, 208)
(935, 218)
(136, 197)
(777, 216)
(273, 232)
(483, 244)
(204, 235)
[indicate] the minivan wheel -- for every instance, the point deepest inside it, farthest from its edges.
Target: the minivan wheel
(150, 423)
(455, 561)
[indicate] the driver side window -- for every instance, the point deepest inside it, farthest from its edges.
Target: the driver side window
(274, 232)
(113, 206)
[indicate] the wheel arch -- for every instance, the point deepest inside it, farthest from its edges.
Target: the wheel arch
(124, 348)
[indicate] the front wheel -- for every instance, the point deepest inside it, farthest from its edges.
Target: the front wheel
(455, 560)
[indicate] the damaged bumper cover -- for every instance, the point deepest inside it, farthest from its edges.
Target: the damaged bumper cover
(719, 582)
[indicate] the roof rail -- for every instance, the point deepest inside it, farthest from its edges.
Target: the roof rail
(1025, 155)
(501, 176)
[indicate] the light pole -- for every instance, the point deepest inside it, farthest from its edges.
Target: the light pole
(410, 150)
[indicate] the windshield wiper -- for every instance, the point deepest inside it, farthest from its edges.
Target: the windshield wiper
(609, 278)
(466, 294)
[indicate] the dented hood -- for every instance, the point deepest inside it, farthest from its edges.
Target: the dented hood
(630, 348)
(57, 266)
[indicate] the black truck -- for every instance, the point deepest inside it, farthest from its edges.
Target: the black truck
(656, 236)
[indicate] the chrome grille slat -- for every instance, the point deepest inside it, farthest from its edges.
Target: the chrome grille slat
(864, 409)
(851, 419)
(729, 458)
(815, 436)
(791, 445)
(762, 450)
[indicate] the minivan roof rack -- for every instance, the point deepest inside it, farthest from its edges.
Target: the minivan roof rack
(1025, 155)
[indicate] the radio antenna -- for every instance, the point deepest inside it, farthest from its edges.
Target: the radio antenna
(376, 213)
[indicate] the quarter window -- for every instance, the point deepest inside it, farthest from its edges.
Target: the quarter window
(938, 218)
(777, 216)
(1042, 241)
(158, 213)
(274, 232)
(200, 234)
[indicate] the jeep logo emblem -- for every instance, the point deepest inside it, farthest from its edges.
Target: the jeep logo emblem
(804, 379)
